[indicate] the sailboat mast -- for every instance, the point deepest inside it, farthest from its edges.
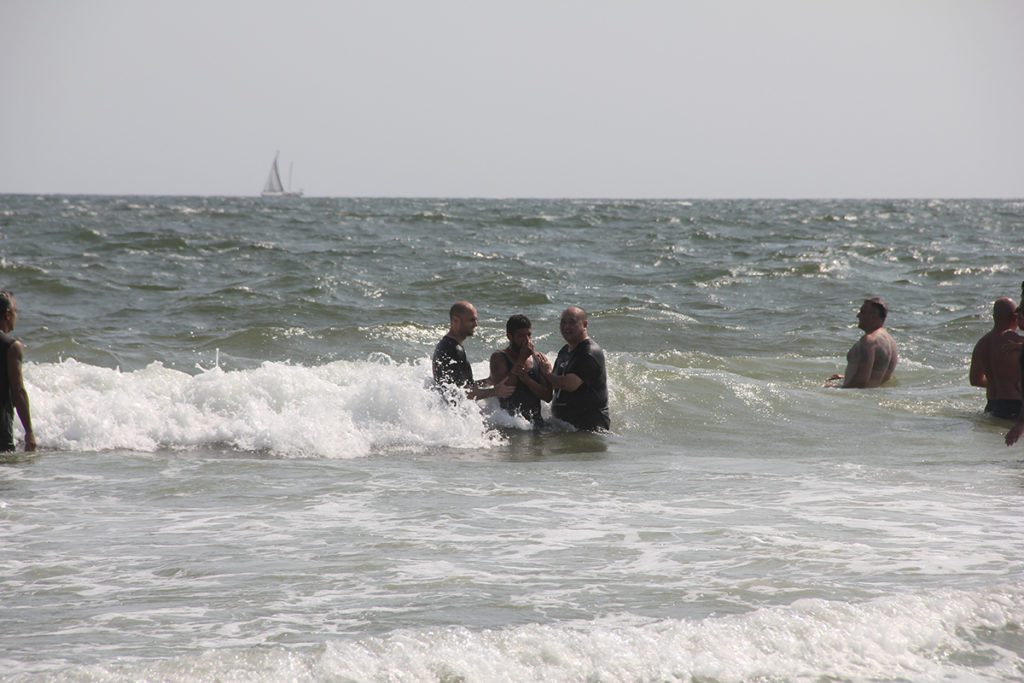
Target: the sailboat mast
(274, 187)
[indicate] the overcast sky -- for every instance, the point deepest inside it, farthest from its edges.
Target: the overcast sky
(748, 98)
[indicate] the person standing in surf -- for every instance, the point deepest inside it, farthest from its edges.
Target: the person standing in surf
(450, 365)
(871, 361)
(13, 396)
(1017, 429)
(579, 379)
(995, 363)
(520, 365)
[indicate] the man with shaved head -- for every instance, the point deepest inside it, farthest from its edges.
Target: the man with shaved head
(995, 362)
(579, 377)
(450, 365)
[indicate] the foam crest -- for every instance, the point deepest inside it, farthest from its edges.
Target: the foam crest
(950, 635)
(340, 410)
(914, 637)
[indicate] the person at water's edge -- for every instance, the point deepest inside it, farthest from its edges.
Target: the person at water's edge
(450, 365)
(13, 396)
(579, 379)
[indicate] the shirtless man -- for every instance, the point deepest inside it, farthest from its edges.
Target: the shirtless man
(520, 365)
(1017, 429)
(872, 359)
(995, 362)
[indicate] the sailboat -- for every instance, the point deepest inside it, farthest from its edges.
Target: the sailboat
(273, 186)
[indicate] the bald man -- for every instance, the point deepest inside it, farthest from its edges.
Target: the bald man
(579, 379)
(450, 364)
(995, 362)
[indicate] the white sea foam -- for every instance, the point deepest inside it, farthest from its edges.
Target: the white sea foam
(903, 637)
(950, 635)
(340, 410)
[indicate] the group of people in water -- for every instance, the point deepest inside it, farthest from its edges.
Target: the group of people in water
(576, 384)
(997, 362)
(521, 378)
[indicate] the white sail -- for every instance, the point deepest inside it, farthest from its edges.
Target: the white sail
(273, 186)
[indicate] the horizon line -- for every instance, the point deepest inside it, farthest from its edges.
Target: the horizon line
(529, 198)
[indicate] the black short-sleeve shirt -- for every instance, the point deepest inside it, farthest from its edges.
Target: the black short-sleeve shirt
(587, 407)
(6, 400)
(450, 363)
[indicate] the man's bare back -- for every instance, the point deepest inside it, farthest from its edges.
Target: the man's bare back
(996, 361)
(871, 361)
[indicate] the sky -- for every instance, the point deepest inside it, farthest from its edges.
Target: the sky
(535, 98)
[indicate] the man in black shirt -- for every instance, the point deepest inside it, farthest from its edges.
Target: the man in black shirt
(450, 365)
(13, 396)
(579, 378)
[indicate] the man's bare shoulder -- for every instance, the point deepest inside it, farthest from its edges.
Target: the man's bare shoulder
(1006, 336)
(880, 337)
(985, 342)
(861, 348)
(870, 340)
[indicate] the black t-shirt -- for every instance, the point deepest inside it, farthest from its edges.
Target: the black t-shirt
(6, 401)
(450, 363)
(587, 407)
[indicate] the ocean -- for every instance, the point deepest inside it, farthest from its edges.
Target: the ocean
(245, 475)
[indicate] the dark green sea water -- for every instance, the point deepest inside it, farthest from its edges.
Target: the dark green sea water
(245, 474)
